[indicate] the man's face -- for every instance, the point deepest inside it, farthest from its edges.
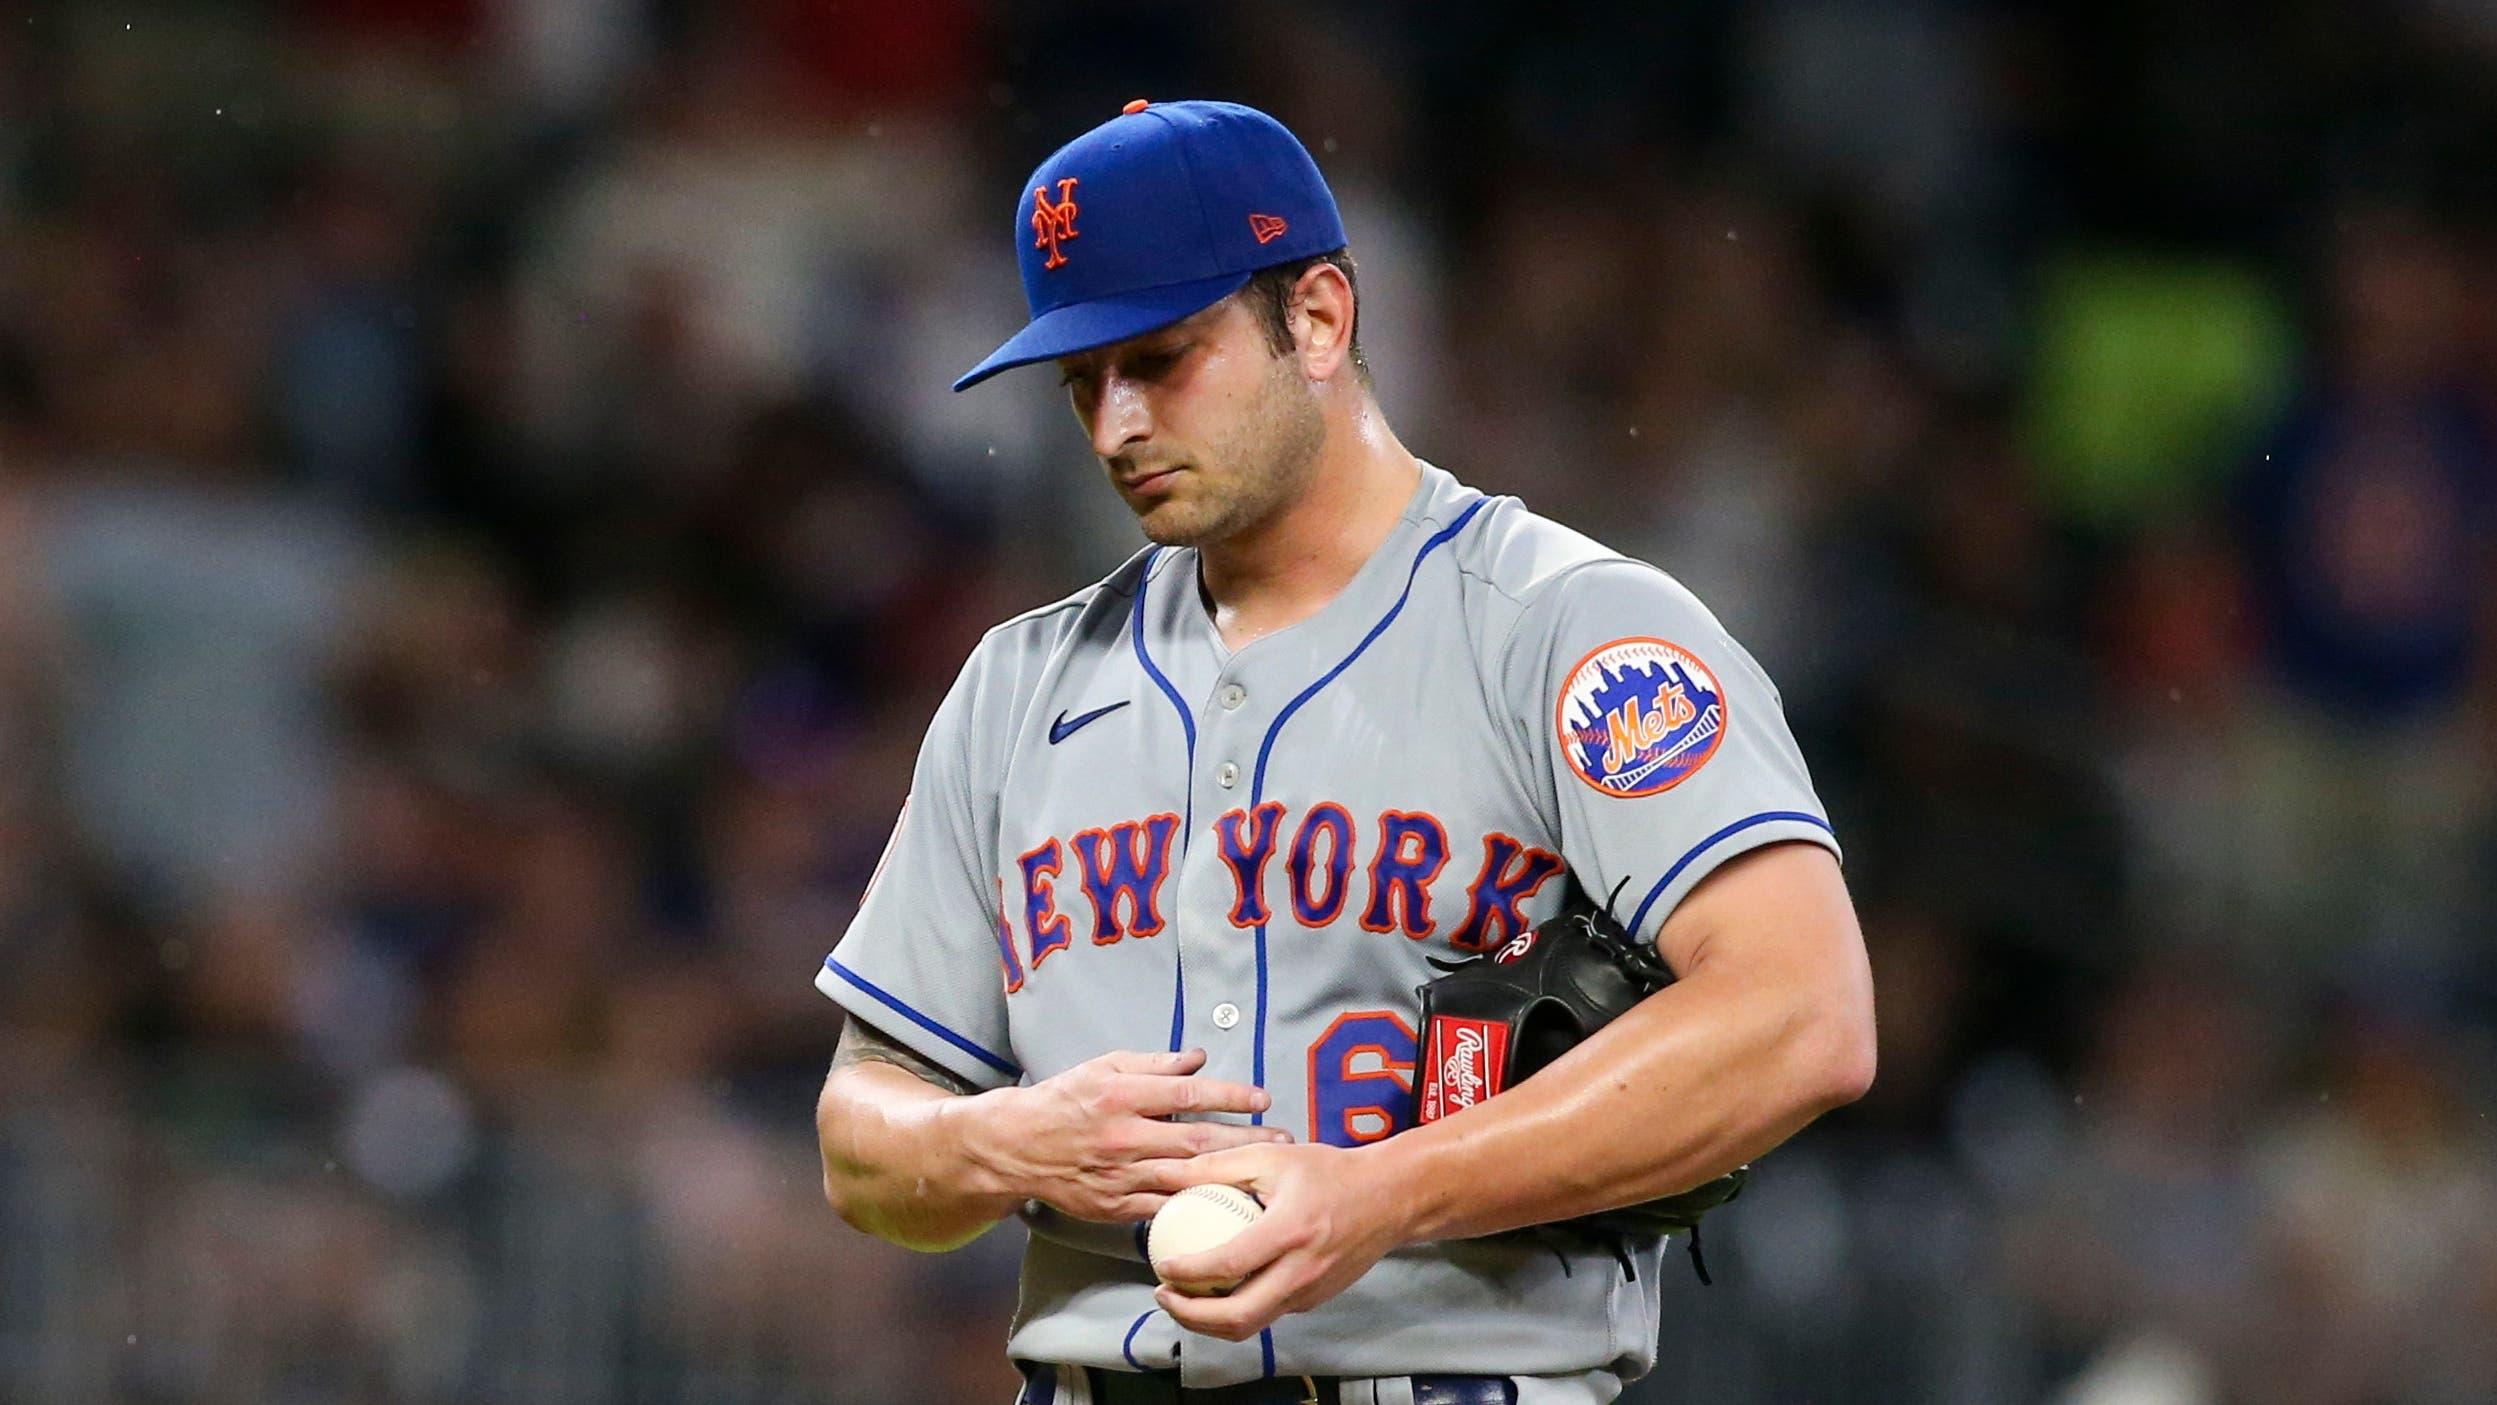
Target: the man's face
(1203, 429)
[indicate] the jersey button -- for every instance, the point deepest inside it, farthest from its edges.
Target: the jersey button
(1226, 1015)
(1227, 775)
(1233, 696)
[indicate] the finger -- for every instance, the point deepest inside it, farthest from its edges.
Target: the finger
(1167, 1177)
(1208, 1316)
(1182, 1140)
(1236, 1316)
(1251, 1166)
(1124, 1208)
(1161, 1096)
(1198, 1315)
(1183, 1061)
(1129, 1209)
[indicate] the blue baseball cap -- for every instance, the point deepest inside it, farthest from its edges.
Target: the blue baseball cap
(1154, 216)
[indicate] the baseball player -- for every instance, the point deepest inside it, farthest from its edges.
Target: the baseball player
(1180, 847)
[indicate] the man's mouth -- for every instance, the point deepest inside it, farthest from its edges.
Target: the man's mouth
(1146, 482)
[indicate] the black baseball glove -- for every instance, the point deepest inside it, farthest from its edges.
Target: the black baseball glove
(1493, 1020)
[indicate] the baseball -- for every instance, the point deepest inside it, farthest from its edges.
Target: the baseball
(1199, 1218)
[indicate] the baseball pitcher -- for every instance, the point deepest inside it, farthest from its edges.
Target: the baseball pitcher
(1182, 851)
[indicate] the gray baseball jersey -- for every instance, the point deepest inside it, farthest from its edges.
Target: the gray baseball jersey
(1123, 835)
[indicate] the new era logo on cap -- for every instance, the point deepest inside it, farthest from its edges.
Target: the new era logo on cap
(1180, 203)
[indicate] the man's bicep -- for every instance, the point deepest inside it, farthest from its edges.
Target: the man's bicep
(1781, 914)
(863, 1043)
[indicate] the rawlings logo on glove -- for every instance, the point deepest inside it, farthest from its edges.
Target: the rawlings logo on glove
(1465, 1058)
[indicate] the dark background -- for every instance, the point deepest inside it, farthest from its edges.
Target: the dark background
(482, 529)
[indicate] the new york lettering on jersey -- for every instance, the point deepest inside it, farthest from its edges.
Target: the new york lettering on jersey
(1122, 835)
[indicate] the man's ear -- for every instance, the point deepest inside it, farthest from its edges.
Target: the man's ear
(1321, 316)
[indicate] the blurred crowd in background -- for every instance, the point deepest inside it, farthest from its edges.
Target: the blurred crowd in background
(483, 527)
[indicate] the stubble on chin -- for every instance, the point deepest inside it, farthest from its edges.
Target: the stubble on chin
(1283, 443)
(1196, 513)
(1201, 520)
(1173, 524)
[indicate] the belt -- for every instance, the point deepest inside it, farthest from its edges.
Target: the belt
(1163, 1388)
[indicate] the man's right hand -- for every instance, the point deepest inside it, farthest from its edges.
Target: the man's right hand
(1100, 1142)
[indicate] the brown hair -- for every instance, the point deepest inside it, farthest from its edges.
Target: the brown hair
(1269, 297)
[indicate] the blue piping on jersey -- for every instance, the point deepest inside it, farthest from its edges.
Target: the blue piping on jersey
(1005, 1066)
(1135, 631)
(1133, 1328)
(1178, 986)
(1639, 918)
(1187, 819)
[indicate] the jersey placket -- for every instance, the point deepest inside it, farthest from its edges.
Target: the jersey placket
(1219, 1007)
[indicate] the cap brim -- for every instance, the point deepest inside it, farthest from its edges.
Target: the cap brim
(1101, 321)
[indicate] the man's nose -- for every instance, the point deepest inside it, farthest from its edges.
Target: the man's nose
(1120, 419)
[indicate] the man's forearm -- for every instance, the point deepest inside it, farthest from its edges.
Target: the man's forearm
(913, 1155)
(898, 1162)
(1696, 1080)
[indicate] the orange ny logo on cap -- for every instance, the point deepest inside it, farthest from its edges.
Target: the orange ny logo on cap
(1053, 224)
(1267, 228)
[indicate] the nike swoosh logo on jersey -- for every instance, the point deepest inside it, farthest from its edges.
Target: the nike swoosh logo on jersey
(1062, 729)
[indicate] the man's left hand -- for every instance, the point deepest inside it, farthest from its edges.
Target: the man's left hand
(1330, 1214)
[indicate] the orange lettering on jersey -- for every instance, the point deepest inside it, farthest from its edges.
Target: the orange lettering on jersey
(1248, 841)
(1413, 848)
(1043, 925)
(1333, 823)
(1124, 865)
(1053, 223)
(1495, 905)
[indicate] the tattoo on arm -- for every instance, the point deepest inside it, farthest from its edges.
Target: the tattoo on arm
(862, 1042)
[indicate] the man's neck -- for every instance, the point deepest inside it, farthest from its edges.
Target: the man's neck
(1287, 568)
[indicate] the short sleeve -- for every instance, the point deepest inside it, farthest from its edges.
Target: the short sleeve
(922, 960)
(1664, 745)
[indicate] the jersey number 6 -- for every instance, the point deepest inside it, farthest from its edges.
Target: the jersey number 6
(1361, 1078)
